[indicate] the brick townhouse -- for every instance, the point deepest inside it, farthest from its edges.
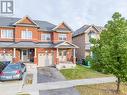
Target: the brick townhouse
(81, 38)
(36, 42)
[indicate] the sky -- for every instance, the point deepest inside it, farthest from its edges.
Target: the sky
(75, 13)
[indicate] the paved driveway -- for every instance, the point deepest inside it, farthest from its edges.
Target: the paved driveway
(51, 74)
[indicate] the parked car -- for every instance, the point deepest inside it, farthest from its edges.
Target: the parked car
(6, 63)
(13, 71)
(2, 66)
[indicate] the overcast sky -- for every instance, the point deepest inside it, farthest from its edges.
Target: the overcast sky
(74, 12)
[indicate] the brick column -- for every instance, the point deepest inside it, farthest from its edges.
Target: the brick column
(57, 56)
(14, 55)
(74, 57)
(35, 56)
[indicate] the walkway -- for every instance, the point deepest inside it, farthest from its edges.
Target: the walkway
(70, 83)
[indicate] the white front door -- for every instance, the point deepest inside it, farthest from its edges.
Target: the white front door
(62, 55)
(25, 55)
(45, 59)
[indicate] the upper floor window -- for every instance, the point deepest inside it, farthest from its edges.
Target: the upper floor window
(92, 35)
(26, 34)
(6, 33)
(46, 37)
(62, 36)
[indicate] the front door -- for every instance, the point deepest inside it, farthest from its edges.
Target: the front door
(25, 55)
(62, 55)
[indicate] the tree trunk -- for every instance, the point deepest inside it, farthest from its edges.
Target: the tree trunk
(118, 85)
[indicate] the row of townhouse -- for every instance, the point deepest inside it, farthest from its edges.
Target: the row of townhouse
(43, 43)
(37, 42)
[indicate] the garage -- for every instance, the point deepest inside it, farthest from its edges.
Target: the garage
(45, 59)
(6, 57)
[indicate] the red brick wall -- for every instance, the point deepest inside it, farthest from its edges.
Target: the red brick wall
(19, 29)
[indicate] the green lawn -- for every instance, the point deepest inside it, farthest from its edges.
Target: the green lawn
(102, 89)
(81, 72)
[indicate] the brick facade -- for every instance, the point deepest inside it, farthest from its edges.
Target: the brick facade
(20, 26)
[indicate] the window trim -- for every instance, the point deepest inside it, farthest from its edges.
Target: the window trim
(7, 35)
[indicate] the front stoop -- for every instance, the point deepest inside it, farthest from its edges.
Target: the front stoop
(66, 65)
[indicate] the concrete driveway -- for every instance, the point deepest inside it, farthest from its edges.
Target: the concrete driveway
(51, 74)
(10, 87)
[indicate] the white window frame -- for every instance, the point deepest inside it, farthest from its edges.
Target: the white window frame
(8, 33)
(62, 37)
(46, 37)
(26, 34)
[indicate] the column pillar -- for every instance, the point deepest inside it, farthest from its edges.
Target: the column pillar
(57, 56)
(35, 56)
(35, 52)
(14, 55)
(74, 56)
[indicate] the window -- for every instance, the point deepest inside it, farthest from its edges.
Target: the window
(26, 34)
(62, 36)
(46, 37)
(92, 35)
(6, 33)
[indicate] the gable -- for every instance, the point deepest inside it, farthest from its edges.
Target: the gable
(66, 45)
(26, 20)
(62, 26)
(91, 29)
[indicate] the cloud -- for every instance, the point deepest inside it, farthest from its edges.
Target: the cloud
(74, 12)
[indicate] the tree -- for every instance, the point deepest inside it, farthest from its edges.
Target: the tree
(110, 51)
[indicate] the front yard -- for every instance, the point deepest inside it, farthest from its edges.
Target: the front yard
(102, 89)
(81, 72)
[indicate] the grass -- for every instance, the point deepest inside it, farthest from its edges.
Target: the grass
(102, 89)
(23, 93)
(81, 72)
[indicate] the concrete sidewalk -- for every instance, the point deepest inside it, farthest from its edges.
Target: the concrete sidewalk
(67, 84)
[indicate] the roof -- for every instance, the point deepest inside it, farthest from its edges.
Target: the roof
(5, 44)
(63, 44)
(9, 21)
(26, 44)
(85, 27)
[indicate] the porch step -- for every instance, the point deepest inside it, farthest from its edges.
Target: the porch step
(66, 65)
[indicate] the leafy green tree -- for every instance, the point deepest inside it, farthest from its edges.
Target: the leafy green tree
(110, 51)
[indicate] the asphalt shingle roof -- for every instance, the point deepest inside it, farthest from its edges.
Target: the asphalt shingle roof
(84, 28)
(9, 21)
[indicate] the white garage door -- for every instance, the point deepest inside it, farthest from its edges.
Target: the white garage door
(6, 57)
(45, 59)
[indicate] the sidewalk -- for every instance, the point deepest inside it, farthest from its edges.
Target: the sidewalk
(35, 87)
(67, 84)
